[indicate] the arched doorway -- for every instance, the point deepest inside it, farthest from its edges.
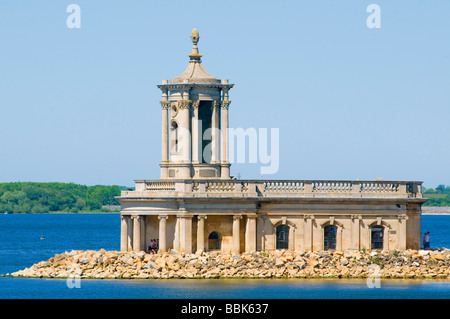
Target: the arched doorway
(282, 237)
(329, 237)
(214, 241)
(377, 234)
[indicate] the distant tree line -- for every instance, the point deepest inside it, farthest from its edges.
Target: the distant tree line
(441, 189)
(28, 197)
(439, 196)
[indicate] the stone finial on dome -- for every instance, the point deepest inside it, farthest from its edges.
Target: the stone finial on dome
(195, 37)
(195, 73)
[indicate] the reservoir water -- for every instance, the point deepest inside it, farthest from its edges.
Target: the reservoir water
(21, 246)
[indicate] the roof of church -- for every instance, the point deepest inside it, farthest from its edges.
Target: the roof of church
(195, 72)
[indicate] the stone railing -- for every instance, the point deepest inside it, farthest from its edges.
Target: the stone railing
(274, 188)
(283, 186)
(159, 186)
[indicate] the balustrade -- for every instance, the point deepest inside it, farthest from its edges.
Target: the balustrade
(277, 188)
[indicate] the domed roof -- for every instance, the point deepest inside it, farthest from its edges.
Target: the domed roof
(195, 71)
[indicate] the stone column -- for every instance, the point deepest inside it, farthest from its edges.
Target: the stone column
(236, 234)
(176, 244)
(185, 233)
(387, 230)
(339, 238)
(130, 234)
(417, 228)
(165, 104)
(185, 135)
(365, 235)
(162, 233)
(182, 225)
(124, 233)
(291, 243)
(225, 170)
(402, 232)
(355, 232)
(261, 233)
(136, 232)
(308, 232)
(215, 136)
(143, 220)
(195, 133)
(250, 233)
(188, 234)
(201, 232)
(185, 139)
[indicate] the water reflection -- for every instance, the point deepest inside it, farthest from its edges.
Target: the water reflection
(287, 288)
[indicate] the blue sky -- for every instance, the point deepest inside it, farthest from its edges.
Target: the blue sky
(82, 106)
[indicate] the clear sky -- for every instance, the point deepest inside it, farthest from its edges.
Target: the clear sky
(81, 105)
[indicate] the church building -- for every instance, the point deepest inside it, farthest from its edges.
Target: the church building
(196, 204)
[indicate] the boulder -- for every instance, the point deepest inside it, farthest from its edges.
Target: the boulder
(139, 254)
(199, 252)
(424, 252)
(279, 262)
(438, 256)
(171, 259)
(173, 266)
(160, 262)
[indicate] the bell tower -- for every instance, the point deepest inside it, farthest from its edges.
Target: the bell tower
(195, 123)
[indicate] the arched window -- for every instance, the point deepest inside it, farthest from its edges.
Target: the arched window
(214, 241)
(282, 237)
(329, 237)
(377, 234)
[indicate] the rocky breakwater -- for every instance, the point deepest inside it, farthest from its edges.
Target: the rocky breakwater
(272, 264)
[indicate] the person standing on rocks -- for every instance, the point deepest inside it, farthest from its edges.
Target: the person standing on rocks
(151, 247)
(426, 241)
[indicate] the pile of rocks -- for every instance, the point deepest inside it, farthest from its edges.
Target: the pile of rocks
(271, 264)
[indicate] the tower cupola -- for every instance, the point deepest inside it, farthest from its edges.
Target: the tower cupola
(195, 122)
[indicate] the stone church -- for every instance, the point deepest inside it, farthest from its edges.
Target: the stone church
(197, 205)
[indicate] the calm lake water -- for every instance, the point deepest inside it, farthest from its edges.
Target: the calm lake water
(21, 247)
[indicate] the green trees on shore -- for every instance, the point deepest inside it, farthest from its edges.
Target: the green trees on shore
(439, 196)
(27, 197)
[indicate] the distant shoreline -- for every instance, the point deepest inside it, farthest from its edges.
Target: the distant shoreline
(435, 210)
(62, 212)
(432, 210)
